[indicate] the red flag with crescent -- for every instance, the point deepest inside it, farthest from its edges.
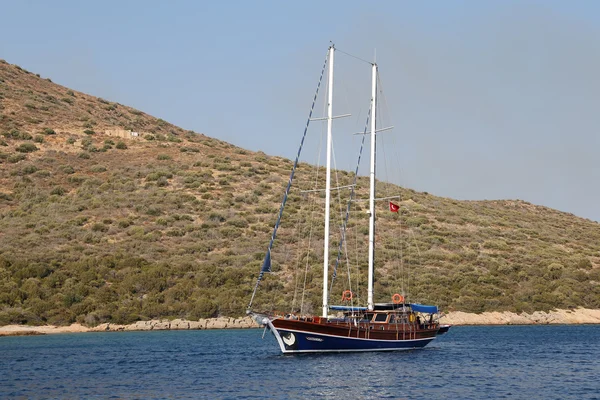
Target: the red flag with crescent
(394, 207)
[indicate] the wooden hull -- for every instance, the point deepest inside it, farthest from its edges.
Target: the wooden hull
(298, 336)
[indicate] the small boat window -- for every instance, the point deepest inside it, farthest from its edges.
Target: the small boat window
(380, 318)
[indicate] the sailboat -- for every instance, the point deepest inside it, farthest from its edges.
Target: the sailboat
(395, 325)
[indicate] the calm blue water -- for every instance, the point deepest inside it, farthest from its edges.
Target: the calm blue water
(526, 362)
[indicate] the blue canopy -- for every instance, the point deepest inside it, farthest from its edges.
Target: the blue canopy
(424, 309)
(347, 308)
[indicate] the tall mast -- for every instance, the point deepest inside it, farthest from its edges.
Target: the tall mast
(370, 304)
(328, 182)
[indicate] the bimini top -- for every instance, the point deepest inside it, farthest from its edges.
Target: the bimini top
(424, 309)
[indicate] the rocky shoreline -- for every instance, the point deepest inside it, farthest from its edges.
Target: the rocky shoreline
(559, 317)
(152, 325)
(575, 316)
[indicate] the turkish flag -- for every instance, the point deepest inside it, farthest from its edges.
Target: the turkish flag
(394, 207)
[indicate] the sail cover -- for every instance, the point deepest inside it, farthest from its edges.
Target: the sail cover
(424, 309)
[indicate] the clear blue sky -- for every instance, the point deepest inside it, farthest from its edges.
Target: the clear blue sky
(493, 100)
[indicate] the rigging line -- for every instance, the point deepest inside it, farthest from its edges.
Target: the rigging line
(337, 182)
(387, 173)
(312, 213)
(401, 264)
(393, 138)
(296, 268)
(348, 206)
(310, 234)
(353, 56)
(386, 188)
(383, 106)
(342, 232)
(266, 267)
(357, 262)
(378, 199)
(342, 89)
(348, 265)
(341, 212)
(418, 250)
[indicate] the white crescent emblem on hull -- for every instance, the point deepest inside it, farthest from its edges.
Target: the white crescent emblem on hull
(289, 339)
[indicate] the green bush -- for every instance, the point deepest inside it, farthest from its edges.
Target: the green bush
(155, 211)
(99, 227)
(189, 149)
(59, 191)
(86, 142)
(26, 148)
(121, 145)
(15, 158)
(173, 138)
(16, 134)
(98, 169)
(124, 223)
(42, 174)
(67, 169)
(162, 181)
(30, 169)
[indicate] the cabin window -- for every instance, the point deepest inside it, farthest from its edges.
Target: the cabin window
(380, 318)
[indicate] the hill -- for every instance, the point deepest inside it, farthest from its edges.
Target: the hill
(171, 223)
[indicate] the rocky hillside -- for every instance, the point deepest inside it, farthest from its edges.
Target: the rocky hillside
(173, 224)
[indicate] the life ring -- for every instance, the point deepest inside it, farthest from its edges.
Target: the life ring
(347, 295)
(397, 299)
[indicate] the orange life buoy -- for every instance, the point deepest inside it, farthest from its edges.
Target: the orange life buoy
(347, 295)
(397, 299)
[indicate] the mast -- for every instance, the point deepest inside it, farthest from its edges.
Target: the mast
(328, 182)
(370, 304)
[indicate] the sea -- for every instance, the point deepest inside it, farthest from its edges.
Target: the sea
(491, 362)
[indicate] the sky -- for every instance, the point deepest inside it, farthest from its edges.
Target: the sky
(489, 100)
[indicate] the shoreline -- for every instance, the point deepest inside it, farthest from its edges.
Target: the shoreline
(578, 316)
